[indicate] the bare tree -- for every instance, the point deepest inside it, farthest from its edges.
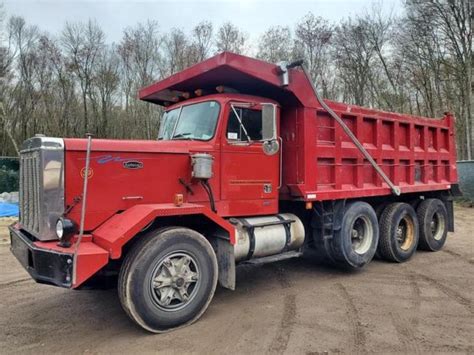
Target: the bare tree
(276, 44)
(64, 98)
(385, 90)
(4, 62)
(354, 54)
(420, 63)
(20, 104)
(439, 33)
(82, 44)
(230, 39)
(201, 42)
(141, 44)
(176, 49)
(106, 85)
(141, 63)
(455, 20)
(312, 42)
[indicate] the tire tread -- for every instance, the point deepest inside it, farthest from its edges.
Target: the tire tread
(386, 226)
(421, 212)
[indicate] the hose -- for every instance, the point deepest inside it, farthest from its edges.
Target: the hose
(208, 189)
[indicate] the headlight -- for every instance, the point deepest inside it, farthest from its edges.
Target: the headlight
(65, 230)
(60, 228)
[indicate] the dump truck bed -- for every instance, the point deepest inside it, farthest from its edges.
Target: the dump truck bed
(417, 154)
(319, 161)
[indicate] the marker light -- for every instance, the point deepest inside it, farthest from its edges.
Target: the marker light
(178, 200)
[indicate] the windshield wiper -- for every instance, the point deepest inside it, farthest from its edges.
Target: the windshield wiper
(182, 136)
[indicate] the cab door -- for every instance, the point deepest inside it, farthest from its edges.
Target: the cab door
(250, 172)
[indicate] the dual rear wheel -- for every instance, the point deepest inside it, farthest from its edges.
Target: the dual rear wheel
(393, 232)
(403, 230)
(399, 232)
(354, 242)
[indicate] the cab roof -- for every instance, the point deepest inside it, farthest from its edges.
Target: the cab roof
(246, 75)
(252, 77)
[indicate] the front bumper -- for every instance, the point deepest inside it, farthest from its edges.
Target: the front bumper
(45, 266)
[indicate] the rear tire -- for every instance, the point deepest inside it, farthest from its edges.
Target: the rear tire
(433, 219)
(354, 244)
(398, 232)
(378, 211)
(168, 279)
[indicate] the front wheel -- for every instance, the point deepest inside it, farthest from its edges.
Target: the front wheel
(168, 279)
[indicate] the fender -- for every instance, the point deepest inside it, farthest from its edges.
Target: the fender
(119, 229)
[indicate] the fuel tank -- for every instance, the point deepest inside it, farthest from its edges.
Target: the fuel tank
(269, 235)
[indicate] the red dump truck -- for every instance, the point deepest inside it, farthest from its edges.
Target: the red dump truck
(249, 164)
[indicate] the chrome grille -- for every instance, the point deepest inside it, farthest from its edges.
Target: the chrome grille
(30, 190)
(41, 186)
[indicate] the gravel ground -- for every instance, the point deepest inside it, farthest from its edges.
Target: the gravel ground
(4, 236)
(292, 306)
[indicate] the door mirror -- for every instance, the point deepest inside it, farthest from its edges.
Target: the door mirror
(269, 131)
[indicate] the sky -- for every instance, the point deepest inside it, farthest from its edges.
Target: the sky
(253, 17)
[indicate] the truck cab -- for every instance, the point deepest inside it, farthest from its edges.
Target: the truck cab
(246, 158)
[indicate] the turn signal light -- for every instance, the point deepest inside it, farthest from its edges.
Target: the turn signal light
(178, 200)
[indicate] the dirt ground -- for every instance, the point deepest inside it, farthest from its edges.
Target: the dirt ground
(292, 306)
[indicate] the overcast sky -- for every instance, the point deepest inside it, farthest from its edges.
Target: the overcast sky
(251, 16)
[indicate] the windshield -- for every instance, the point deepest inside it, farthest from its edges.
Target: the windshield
(196, 121)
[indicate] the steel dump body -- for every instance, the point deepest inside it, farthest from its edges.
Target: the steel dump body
(417, 154)
(319, 160)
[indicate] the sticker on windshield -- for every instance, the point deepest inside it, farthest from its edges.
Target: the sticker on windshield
(212, 104)
(232, 135)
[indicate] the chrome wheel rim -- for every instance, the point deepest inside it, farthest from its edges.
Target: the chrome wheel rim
(361, 235)
(175, 281)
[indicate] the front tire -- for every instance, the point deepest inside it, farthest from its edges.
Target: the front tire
(168, 279)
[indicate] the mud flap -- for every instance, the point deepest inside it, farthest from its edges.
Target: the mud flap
(226, 262)
(450, 209)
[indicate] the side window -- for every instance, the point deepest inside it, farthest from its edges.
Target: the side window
(251, 125)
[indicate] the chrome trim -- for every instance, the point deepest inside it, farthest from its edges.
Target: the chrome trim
(41, 186)
(42, 143)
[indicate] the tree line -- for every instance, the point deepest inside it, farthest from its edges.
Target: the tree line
(75, 81)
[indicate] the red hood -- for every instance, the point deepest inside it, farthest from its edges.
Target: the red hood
(113, 187)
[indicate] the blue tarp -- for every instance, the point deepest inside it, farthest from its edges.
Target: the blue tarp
(9, 210)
